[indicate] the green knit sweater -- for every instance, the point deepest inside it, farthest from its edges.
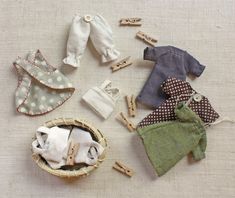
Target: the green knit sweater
(168, 142)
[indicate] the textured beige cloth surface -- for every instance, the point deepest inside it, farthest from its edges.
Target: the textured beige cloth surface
(204, 28)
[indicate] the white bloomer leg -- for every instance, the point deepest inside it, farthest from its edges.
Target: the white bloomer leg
(77, 41)
(102, 38)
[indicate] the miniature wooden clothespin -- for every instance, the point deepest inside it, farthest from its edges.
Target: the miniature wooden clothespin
(121, 64)
(146, 38)
(131, 104)
(131, 127)
(72, 152)
(123, 169)
(130, 21)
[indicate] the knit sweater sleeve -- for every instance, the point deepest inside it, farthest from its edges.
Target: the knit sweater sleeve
(154, 53)
(199, 151)
(192, 66)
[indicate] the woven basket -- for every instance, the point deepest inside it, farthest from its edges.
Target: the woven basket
(85, 169)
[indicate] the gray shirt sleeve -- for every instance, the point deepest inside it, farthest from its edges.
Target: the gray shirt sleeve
(192, 66)
(153, 53)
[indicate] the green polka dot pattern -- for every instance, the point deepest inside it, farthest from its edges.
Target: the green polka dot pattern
(41, 87)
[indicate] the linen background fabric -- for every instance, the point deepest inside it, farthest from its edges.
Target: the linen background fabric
(100, 32)
(203, 27)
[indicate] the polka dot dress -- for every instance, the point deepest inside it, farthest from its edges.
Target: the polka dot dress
(179, 91)
(41, 87)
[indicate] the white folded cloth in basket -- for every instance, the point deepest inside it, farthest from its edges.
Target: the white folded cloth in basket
(53, 145)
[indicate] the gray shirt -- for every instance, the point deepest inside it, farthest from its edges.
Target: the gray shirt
(170, 62)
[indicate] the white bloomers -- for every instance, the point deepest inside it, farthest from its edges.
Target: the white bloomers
(100, 34)
(53, 145)
(102, 99)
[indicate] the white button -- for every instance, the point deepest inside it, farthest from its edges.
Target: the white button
(197, 97)
(87, 18)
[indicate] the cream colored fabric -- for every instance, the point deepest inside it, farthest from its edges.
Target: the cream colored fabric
(53, 145)
(102, 99)
(204, 28)
(100, 33)
(89, 150)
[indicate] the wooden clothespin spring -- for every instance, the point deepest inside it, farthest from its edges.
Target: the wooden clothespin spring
(131, 21)
(72, 152)
(131, 104)
(131, 127)
(150, 40)
(123, 169)
(121, 64)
